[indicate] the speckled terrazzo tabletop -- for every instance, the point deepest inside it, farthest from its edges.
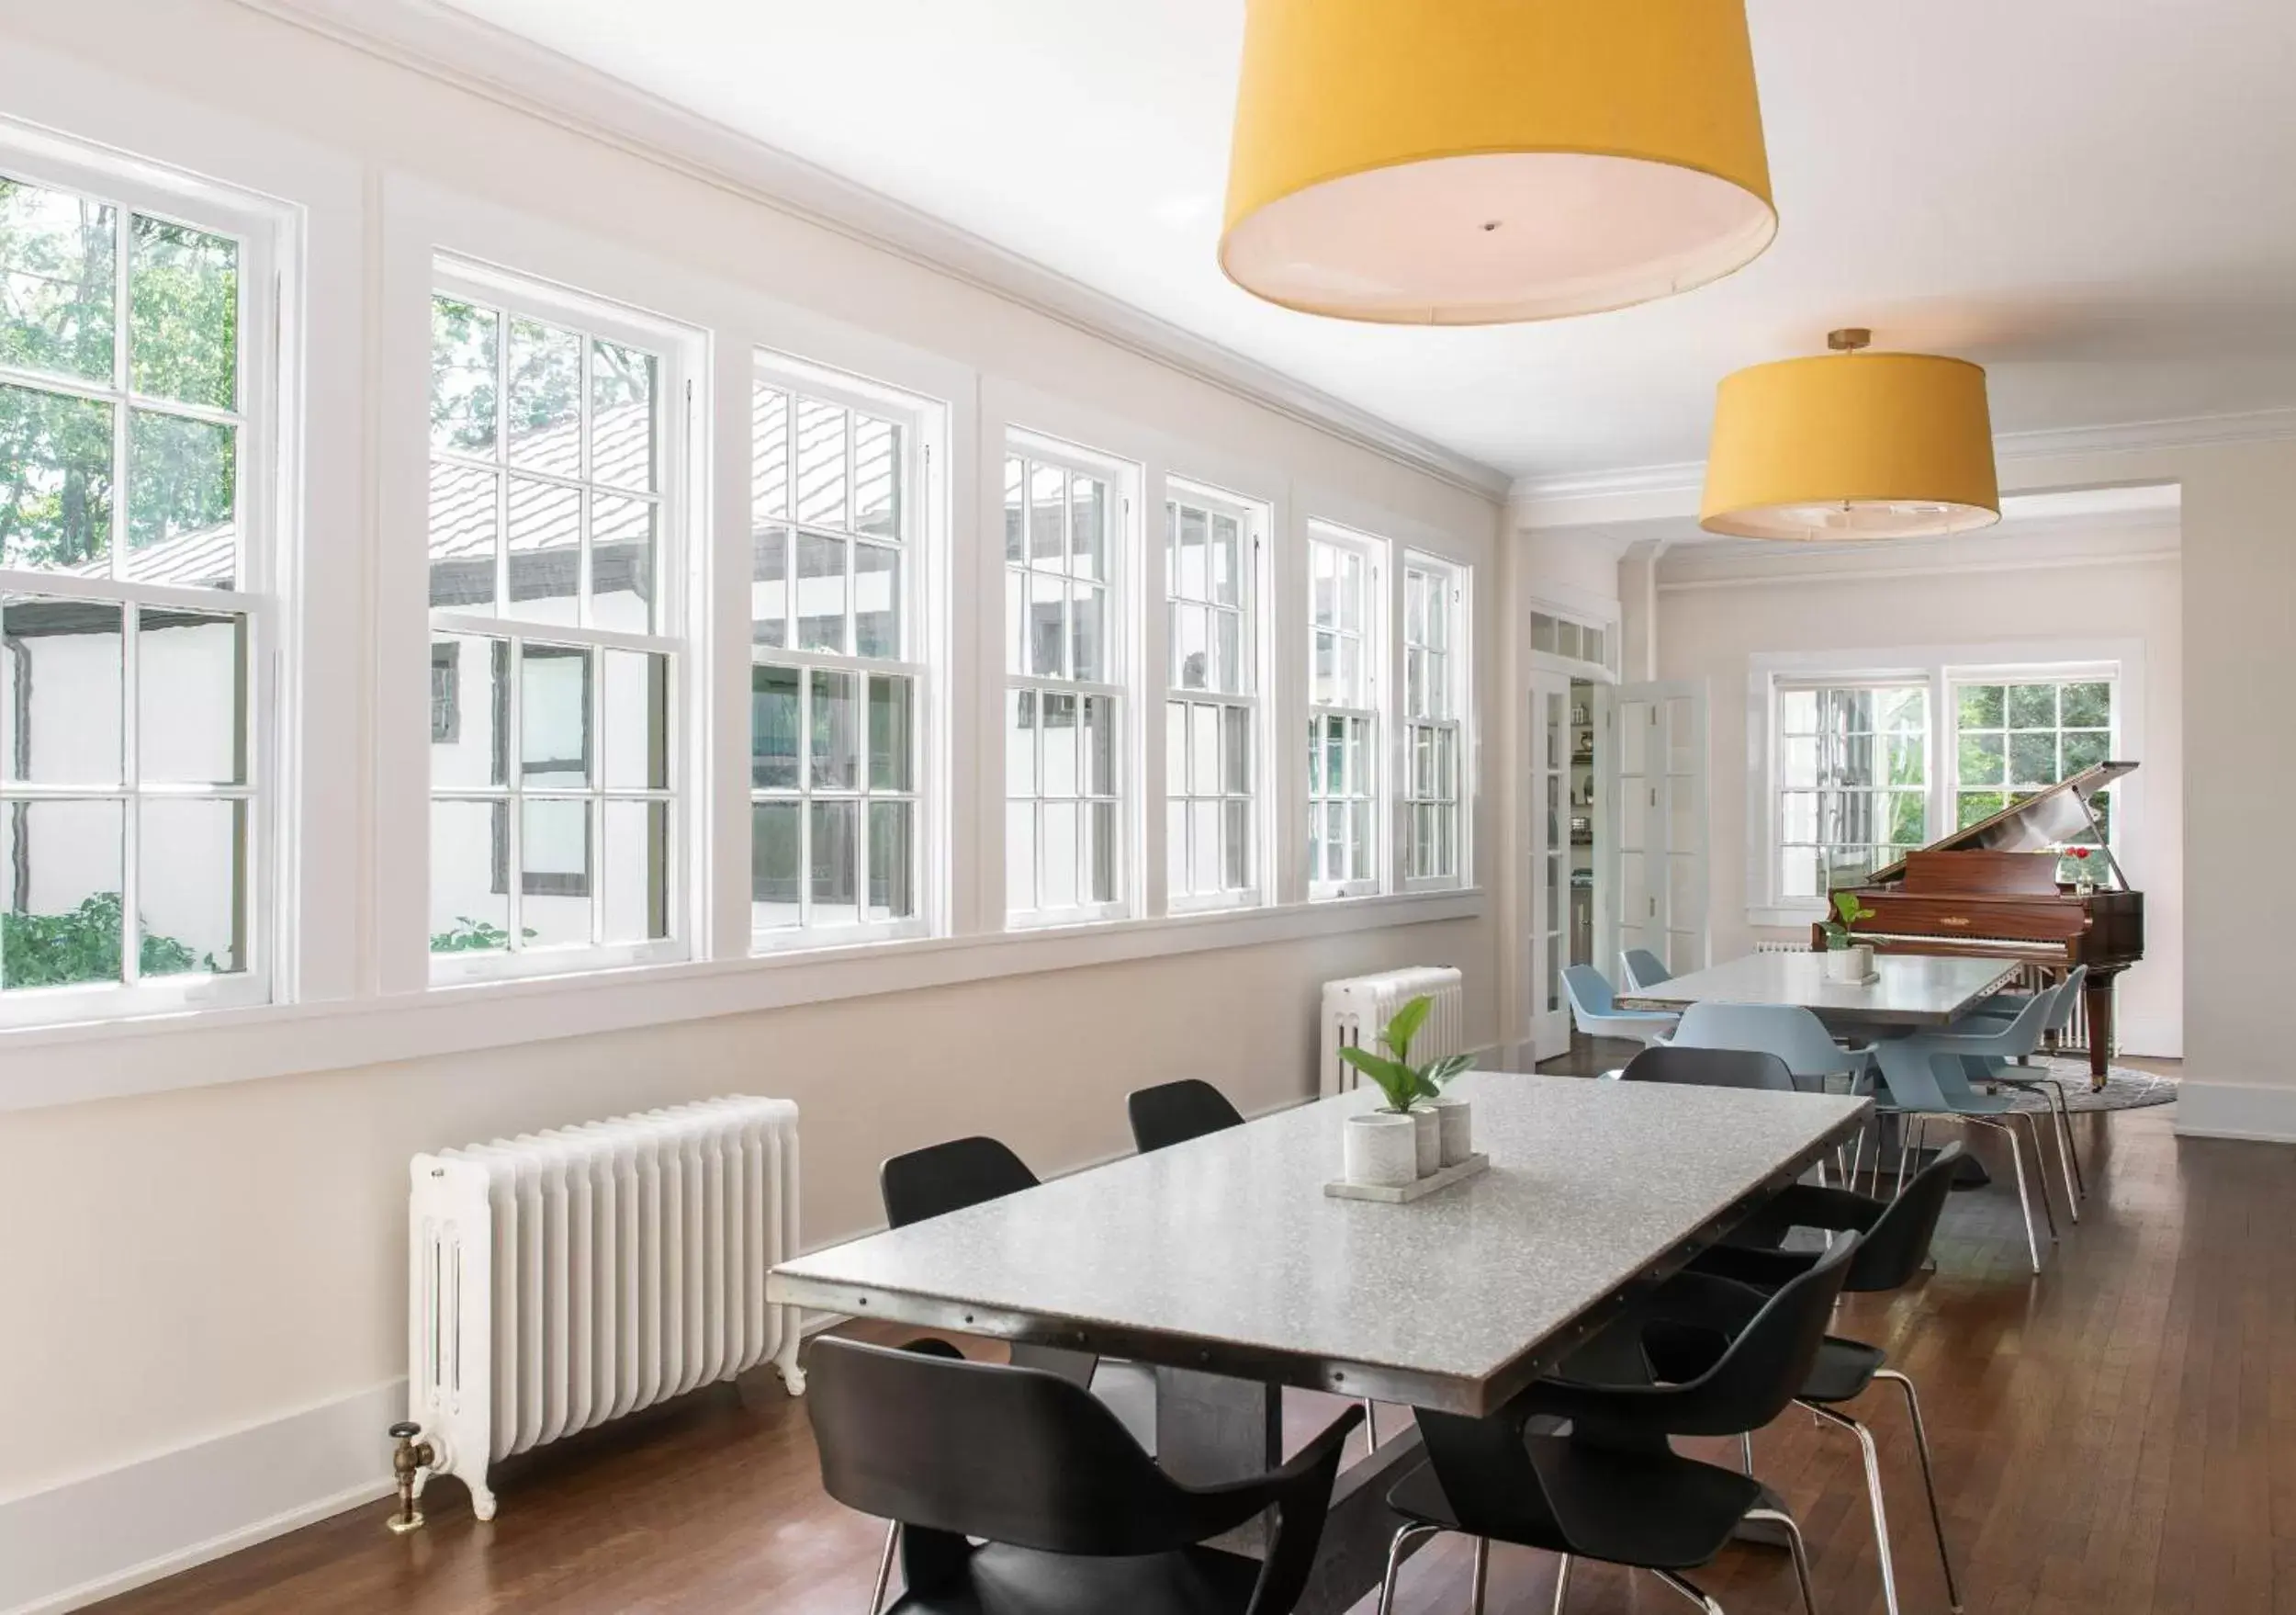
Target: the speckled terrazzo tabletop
(1224, 1253)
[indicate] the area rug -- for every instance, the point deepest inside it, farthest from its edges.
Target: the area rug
(2125, 1089)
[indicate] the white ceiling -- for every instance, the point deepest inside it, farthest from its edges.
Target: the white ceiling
(2096, 201)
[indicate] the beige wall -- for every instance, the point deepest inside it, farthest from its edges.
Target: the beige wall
(2126, 590)
(181, 1264)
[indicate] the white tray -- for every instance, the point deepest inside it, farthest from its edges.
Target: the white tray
(1473, 1166)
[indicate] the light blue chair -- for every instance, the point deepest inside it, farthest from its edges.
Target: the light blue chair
(1924, 1077)
(1594, 1010)
(1788, 1030)
(2004, 1008)
(1644, 969)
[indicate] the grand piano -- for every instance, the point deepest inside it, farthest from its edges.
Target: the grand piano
(1991, 891)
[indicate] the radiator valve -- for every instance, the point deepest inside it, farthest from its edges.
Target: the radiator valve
(410, 1461)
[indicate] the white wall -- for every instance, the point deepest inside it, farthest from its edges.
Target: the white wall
(184, 1265)
(2061, 589)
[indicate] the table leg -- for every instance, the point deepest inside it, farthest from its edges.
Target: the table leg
(1210, 1428)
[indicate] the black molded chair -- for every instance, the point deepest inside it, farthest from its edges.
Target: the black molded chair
(1710, 1068)
(1174, 1113)
(1893, 1238)
(1612, 1488)
(943, 1177)
(1012, 1492)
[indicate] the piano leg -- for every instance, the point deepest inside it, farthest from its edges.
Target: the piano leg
(2096, 999)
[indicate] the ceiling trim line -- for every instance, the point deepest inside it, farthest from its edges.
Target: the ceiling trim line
(2183, 432)
(449, 46)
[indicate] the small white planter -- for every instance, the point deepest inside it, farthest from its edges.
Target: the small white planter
(1455, 1119)
(1852, 965)
(1381, 1150)
(1430, 1139)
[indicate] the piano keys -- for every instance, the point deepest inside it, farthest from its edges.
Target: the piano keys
(1991, 890)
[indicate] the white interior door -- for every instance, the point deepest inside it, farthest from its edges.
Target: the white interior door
(1654, 776)
(1549, 907)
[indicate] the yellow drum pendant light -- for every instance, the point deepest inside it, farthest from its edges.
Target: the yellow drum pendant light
(1856, 445)
(1473, 162)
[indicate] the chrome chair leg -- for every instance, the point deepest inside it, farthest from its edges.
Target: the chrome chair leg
(1746, 1450)
(1562, 1583)
(2065, 1129)
(1688, 1591)
(1801, 1552)
(885, 1568)
(1929, 1480)
(1874, 1492)
(1370, 1426)
(2064, 1161)
(2017, 1161)
(1483, 1574)
(1395, 1562)
(2041, 1170)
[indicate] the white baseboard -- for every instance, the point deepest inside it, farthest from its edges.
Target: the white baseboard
(2263, 1112)
(87, 1540)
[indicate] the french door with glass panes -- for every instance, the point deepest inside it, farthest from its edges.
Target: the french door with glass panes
(1651, 835)
(1549, 912)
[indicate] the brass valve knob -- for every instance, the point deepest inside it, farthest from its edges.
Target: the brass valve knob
(411, 1459)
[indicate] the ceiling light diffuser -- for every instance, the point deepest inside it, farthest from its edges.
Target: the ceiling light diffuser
(1476, 162)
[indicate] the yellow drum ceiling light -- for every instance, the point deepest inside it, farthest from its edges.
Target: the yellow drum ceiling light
(1473, 162)
(1852, 445)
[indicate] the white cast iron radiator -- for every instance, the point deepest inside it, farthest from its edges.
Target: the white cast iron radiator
(1355, 1010)
(562, 1279)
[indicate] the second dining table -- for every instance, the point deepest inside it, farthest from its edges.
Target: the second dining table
(1909, 992)
(1221, 1263)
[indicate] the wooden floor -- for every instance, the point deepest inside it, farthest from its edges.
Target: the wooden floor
(2117, 1435)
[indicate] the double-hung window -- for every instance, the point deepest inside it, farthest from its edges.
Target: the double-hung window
(559, 480)
(838, 671)
(1852, 774)
(139, 616)
(1434, 664)
(1345, 680)
(1064, 527)
(1211, 714)
(2016, 736)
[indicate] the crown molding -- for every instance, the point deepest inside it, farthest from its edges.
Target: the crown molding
(511, 70)
(1683, 477)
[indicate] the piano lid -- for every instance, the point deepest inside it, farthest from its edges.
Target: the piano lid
(2039, 822)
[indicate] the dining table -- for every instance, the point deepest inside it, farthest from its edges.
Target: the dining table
(1908, 992)
(1223, 1266)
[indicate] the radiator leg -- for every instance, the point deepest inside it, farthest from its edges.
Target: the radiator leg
(481, 1499)
(785, 1362)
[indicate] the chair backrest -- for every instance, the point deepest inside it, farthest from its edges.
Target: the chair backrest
(1174, 1113)
(1709, 1068)
(1589, 993)
(954, 1449)
(943, 1177)
(1768, 1361)
(1643, 968)
(1788, 1030)
(2068, 995)
(1891, 1251)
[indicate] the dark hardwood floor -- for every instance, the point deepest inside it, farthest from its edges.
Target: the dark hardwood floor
(2117, 1435)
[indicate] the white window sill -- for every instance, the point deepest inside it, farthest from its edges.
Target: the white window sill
(69, 1065)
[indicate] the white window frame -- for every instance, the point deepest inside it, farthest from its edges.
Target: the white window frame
(268, 448)
(1372, 796)
(1880, 789)
(2108, 674)
(1119, 687)
(1449, 586)
(681, 354)
(919, 658)
(1253, 519)
(1939, 667)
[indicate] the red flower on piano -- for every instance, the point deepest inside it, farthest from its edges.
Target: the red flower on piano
(2078, 851)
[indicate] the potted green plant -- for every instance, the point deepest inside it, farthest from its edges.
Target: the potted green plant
(1847, 960)
(1419, 1128)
